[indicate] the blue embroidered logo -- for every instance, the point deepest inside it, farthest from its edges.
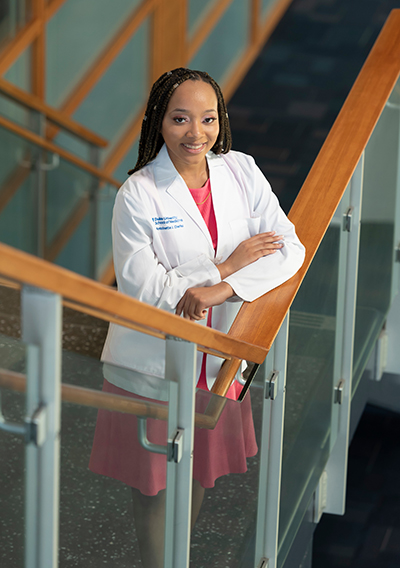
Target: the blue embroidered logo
(167, 223)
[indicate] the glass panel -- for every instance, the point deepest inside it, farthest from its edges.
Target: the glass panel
(129, 161)
(14, 14)
(18, 197)
(121, 92)
(377, 236)
(100, 464)
(226, 43)
(106, 198)
(12, 448)
(224, 533)
(74, 218)
(75, 36)
(309, 389)
(197, 13)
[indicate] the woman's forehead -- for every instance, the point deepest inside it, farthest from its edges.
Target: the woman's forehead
(193, 93)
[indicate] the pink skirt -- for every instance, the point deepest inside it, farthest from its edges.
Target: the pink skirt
(117, 453)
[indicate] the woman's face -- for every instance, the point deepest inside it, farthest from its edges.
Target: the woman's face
(190, 126)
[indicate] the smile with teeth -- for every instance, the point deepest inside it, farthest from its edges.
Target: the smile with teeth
(194, 147)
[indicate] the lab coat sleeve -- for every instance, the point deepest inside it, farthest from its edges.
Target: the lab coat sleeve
(139, 272)
(268, 272)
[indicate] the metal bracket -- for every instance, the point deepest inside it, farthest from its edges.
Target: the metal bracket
(272, 386)
(175, 446)
(397, 253)
(339, 392)
(263, 563)
(347, 220)
(144, 442)
(33, 429)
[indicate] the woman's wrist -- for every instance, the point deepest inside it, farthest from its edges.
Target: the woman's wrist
(225, 290)
(224, 269)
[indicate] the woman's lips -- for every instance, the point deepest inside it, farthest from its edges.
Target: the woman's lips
(194, 148)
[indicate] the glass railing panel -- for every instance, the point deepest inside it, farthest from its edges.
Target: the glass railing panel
(39, 124)
(17, 113)
(52, 208)
(12, 447)
(224, 533)
(377, 244)
(101, 460)
(309, 387)
(18, 192)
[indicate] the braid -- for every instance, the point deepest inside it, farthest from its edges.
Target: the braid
(151, 139)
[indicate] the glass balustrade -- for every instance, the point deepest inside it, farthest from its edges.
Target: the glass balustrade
(380, 202)
(12, 446)
(309, 386)
(224, 533)
(53, 208)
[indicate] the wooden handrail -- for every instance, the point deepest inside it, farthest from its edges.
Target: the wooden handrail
(47, 145)
(98, 399)
(323, 189)
(59, 118)
(25, 268)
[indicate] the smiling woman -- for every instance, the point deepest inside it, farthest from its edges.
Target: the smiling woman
(190, 129)
(195, 224)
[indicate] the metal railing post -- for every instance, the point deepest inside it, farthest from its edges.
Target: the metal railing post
(181, 372)
(271, 453)
(41, 325)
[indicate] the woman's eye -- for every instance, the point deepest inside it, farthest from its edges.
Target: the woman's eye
(209, 119)
(179, 119)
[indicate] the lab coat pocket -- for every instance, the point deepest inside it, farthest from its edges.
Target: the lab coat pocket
(243, 229)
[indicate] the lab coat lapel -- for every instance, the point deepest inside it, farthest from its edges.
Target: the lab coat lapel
(168, 179)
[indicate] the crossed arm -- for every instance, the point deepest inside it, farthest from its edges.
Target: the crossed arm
(196, 300)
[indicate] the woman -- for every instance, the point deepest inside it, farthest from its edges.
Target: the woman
(196, 230)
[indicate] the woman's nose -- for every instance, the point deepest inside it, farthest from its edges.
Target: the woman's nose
(195, 129)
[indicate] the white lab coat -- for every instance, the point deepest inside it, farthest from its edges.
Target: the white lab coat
(162, 247)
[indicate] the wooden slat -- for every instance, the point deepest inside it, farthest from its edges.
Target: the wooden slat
(35, 103)
(325, 185)
(45, 144)
(39, 52)
(22, 267)
(168, 42)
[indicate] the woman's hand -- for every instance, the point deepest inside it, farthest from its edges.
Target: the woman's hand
(195, 301)
(249, 251)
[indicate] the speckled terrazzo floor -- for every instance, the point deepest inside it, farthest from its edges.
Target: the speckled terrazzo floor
(280, 114)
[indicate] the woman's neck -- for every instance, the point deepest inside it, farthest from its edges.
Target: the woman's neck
(194, 175)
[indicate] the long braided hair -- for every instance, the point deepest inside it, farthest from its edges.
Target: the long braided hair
(151, 139)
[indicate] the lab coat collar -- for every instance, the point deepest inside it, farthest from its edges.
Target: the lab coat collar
(168, 179)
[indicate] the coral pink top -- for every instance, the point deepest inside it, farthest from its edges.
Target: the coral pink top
(204, 202)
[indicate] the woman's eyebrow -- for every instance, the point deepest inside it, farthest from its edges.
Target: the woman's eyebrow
(186, 110)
